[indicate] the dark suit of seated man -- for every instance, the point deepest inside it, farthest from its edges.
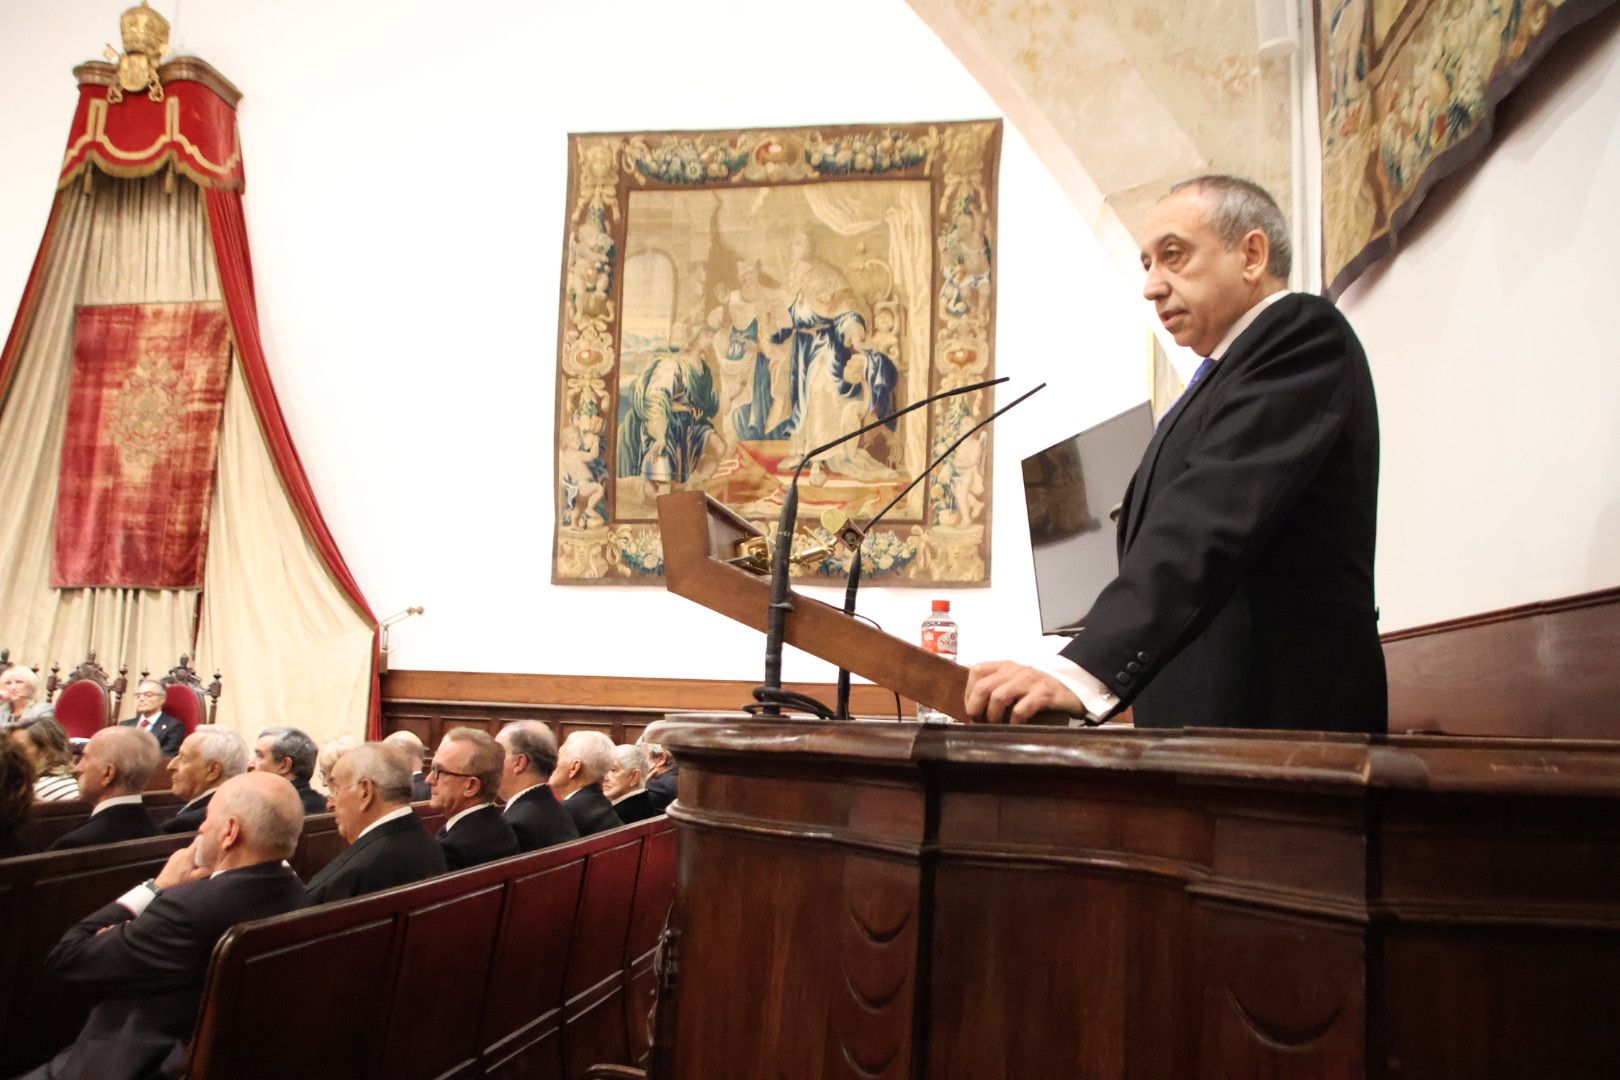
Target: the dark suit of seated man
(208, 757)
(140, 962)
(149, 716)
(371, 796)
(532, 810)
(288, 752)
(663, 775)
(465, 776)
(585, 758)
(112, 773)
(623, 785)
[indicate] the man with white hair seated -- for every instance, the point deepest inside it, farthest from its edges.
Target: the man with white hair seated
(140, 961)
(166, 728)
(371, 797)
(466, 777)
(112, 772)
(623, 785)
(413, 749)
(532, 810)
(208, 757)
(18, 688)
(585, 758)
(663, 774)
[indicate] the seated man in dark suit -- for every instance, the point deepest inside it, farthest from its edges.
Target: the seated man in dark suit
(663, 775)
(149, 716)
(139, 962)
(371, 796)
(208, 757)
(465, 776)
(416, 753)
(112, 772)
(623, 787)
(531, 809)
(288, 752)
(584, 759)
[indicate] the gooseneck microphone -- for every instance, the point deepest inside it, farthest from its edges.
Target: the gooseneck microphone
(854, 536)
(770, 697)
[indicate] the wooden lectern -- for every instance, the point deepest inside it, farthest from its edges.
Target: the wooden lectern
(905, 901)
(700, 536)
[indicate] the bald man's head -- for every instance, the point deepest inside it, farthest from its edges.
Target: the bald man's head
(117, 761)
(252, 818)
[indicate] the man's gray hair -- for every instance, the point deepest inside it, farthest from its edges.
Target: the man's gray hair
(134, 753)
(488, 758)
(385, 766)
(1237, 207)
(265, 825)
(653, 749)
(593, 750)
(292, 743)
(221, 744)
(534, 740)
(631, 758)
(154, 684)
(410, 745)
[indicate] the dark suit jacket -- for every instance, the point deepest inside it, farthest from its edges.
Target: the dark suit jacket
(190, 817)
(145, 976)
(480, 837)
(539, 820)
(637, 807)
(396, 852)
(420, 792)
(1245, 588)
(166, 729)
(661, 788)
(314, 802)
(114, 824)
(591, 811)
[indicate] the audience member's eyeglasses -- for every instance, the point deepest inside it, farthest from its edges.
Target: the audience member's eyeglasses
(438, 770)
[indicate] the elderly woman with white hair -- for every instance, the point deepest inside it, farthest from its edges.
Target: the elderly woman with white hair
(18, 689)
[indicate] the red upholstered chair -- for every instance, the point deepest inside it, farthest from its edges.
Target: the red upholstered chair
(88, 700)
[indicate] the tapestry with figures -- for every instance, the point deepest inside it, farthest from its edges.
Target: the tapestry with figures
(733, 299)
(1406, 90)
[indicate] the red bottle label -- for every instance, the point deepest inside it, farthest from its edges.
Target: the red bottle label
(940, 640)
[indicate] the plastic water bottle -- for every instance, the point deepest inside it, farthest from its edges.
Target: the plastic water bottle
(939, 638)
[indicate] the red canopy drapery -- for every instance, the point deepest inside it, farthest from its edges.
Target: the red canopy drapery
(193, 131)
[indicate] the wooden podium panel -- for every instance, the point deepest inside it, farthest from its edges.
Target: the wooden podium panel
(897, 900)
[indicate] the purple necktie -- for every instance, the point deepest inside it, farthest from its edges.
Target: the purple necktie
(1203, 369)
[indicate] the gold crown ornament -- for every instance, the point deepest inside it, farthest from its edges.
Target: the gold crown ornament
(146, 39)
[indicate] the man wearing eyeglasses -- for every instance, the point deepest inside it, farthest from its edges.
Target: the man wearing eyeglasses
(465, 777)
(149, 716)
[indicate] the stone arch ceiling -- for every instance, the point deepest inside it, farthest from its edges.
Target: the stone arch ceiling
(1121, 98)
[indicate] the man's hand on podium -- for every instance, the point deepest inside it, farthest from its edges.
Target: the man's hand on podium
(1006, 692)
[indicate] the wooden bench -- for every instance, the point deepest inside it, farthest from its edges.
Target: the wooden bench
(49, 820)
(523, 967)
(42, 895)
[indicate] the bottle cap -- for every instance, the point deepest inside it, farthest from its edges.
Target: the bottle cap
(942, 605)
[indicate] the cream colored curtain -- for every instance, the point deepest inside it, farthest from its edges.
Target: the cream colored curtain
(291, 647)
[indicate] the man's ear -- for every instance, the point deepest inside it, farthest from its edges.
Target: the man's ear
(231, 835)
(215, 773)
(1256, 249)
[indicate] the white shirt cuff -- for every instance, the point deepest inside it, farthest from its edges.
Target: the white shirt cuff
(1097, 698)
(137, 898)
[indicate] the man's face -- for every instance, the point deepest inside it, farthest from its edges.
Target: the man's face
(265, 760)
(349, 801)
(189, 772)
(564, 770)
(620, 781)
(1198, 286)
(452, 789)
(15, 689)
(213, 836)
(148, 700)
(512, 768)
(91, 769)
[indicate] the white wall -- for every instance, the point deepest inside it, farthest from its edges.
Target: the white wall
(1495, 345)
(406, 174)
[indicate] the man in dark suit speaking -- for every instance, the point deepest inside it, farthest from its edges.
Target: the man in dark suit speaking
(140, 961)
(1245, 588)
(371, 799)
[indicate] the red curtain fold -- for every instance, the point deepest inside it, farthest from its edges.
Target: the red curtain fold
(192, 129)
(25, 308)
(228, 227)
(141, 449)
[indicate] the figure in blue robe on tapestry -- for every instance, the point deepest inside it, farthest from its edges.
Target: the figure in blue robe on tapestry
(836, 383)
(669, 420)
(752, 418)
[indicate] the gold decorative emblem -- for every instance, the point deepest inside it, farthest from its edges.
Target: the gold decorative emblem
(146, 39)
(149, 406)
